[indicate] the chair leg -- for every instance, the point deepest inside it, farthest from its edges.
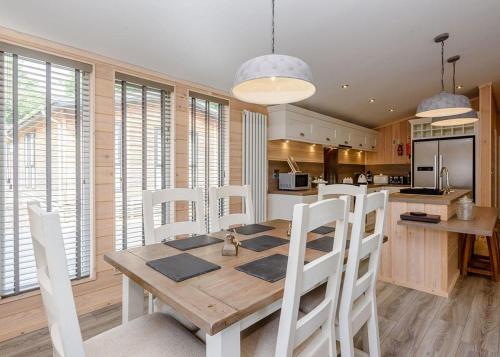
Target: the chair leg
(373, 334)
(151, 307)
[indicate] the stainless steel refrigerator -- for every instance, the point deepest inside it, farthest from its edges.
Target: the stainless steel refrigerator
(456, 154)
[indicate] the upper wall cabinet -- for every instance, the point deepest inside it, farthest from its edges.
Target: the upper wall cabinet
(293, 123)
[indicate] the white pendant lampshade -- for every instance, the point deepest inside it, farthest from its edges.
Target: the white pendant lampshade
(443, 104)
(273, 79)
(460, 119)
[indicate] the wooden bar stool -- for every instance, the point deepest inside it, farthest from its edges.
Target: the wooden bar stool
(480, 264)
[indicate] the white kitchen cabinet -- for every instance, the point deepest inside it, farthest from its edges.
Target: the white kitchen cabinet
(358, 140)
(298, 127)
(323, 133)
(371, 142)
(288, 122)
(342, 135)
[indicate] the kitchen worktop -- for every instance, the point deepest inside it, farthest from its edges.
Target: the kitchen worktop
(482, 224)
(428, 199)
(314, 191)
(310, 192)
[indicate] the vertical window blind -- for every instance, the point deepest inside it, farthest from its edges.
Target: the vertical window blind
(208, 148)
(44, 156)
(143, 150)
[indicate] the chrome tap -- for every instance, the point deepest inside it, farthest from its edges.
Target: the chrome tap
(445, 174)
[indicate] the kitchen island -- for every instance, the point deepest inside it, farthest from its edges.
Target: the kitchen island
(418, 257)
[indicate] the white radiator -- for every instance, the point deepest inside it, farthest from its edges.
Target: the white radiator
(255, 160)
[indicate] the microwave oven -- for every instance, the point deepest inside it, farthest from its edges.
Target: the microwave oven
(294, 181)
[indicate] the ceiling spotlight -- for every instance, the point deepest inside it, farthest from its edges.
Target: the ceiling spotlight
(391, 109)
(344, 86)
(460, 86)
(371, 100)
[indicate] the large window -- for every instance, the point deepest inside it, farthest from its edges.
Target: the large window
(142, 154)
(44, 156)
(208, 147)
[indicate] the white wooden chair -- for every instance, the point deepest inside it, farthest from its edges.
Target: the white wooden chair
(310, 300)
(358, 303)
(341, 189)
(225, 221)
(150, 335)
(312, 334)
(155, 234)
(150, 199)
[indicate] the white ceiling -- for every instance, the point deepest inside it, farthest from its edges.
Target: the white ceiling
(381, 48)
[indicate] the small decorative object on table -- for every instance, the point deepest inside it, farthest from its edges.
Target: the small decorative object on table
(231, 245)
(465, 209)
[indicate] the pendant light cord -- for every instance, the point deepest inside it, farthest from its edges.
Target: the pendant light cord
(442, 65)
(454, 86)
(272, 28)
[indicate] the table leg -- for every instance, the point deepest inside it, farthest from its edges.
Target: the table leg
(132, 300)
(494, 256)
(225, 343)
(469, 243)
(461, 244)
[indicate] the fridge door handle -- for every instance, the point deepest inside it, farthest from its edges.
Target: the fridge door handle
(435, 171)
(439, 171)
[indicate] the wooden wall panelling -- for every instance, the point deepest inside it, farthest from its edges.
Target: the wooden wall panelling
(388, 139)
(351, 157)
(279, 150)
(24, 313)
(487, 166)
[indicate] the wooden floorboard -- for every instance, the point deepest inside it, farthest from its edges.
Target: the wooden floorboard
(411, 323)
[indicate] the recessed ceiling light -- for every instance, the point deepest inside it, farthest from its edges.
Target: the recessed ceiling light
(344, 86)
(460, 86)
(391, 109)
(371, 100)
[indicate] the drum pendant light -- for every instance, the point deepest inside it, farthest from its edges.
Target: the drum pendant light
(459, 119)
(273, 78)
(444, 103)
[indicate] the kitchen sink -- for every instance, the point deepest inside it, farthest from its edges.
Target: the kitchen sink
(422, 191)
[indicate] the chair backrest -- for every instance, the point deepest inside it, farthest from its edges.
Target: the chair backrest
(225, 221)
(301, 278)
(55, 285)
(152, 200)
(341, 189)
(362, 247)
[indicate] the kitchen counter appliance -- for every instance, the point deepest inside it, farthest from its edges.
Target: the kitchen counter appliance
(294, 180)
(457, 155)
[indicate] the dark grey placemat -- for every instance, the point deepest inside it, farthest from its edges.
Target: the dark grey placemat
(193, 242)
(182, 266)
(324, 244)
(271, 268)
(264, 242)
(323, 230)
(252, 229)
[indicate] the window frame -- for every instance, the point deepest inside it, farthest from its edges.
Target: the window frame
(223, 171)
(169, 92)
(89, 68)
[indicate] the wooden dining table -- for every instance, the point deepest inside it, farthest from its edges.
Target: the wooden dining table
(221, 303)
